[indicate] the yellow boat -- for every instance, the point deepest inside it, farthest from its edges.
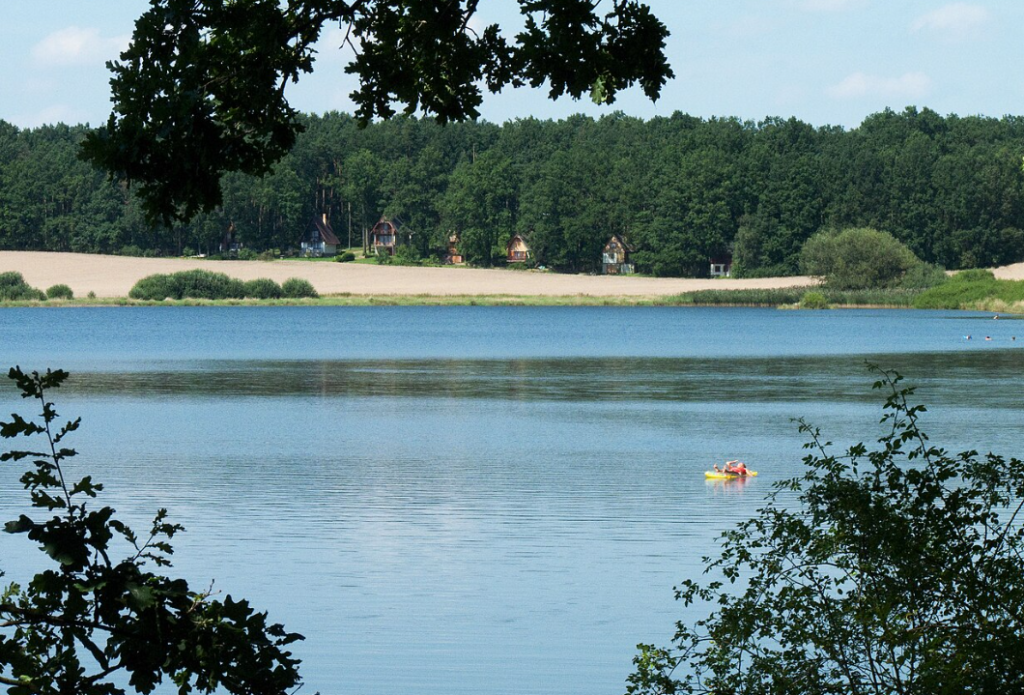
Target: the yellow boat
(719, 475)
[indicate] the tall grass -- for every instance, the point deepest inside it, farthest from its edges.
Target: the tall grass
(894, 297)
(974, 289)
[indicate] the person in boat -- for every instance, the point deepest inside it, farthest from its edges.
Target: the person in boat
(736, 467)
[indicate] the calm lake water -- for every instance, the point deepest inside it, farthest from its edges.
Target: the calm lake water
(469, 499)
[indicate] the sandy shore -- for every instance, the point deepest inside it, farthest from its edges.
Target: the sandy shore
(113, 276)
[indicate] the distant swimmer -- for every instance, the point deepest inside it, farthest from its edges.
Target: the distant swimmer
(996, 316)
(967, 337)
(988, 337)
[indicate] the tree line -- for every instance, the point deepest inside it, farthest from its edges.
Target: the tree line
(678, 189)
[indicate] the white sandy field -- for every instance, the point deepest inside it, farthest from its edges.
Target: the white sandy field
(113, 276)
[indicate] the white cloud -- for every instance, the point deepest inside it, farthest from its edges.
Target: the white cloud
(911, 85)
(831, 5)
(77, 46)
(958, 20)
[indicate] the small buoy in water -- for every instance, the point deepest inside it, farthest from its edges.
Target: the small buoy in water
(996, 316)
(988, 337)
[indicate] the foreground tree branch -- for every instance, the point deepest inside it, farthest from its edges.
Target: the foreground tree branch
(126, 618)
(200, 90)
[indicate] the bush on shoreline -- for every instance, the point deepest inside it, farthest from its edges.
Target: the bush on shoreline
(204, 284)
(60, 291)
(974, 289)
(14, 288)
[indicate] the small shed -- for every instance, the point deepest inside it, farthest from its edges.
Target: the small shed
(384, 236)
(453, 256)
(615, 257)
(517, 250)
(721, 266)
(319, 239)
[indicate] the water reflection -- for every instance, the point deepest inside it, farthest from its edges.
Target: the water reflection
(991, 379)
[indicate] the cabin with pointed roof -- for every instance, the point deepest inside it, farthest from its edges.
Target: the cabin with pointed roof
(319, 239)
(615, 257)
(517, 250)
(384, 236)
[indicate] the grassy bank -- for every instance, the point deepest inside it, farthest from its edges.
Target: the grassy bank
(750, 298)
(975, 289)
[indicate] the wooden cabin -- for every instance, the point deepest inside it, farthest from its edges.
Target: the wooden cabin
(721, 266)
(319, 239)
(517, 251)
(453, 256)
(615, 257)
(384, 236)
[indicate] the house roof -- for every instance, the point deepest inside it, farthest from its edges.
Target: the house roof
(394, 222)
(326, 233)
(622, 242)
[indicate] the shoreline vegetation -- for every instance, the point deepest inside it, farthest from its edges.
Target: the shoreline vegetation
(970, 290)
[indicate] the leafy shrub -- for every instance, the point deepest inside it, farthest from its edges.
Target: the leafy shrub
(91, 295)
(60, 291)
(923, 275)
(263, 288)
(888, 569)
(188, 252)
(269, 255)
(89, 626)
(154, 288)
(406, 255)
(972, 289)
(813, 300)
(297, 288)
(345, 257)
(14, 288)
(131, 250)
(383, 258)
(856, 258)
(247, 255)
(192, 284)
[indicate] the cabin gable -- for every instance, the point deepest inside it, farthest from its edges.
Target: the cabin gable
(319, 239)
(615, 257)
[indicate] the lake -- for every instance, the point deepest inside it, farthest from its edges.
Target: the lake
(486, 500)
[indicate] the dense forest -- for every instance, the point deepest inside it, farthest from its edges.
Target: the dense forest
(679, 189)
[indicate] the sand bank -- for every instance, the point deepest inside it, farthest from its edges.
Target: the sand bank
(114, 276)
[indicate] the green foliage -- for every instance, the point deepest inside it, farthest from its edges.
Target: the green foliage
(971, 289)
(297, 288)
(199, 91)
(193, 284)
(106, 610)
(813, 300)
(247, 255)
(679, 189)
(897, 572)
(345, 257)
(60, 291)
(14, 288)
(263, 288)
(856, 258)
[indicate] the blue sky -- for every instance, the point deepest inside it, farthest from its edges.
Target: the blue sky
(823, 61)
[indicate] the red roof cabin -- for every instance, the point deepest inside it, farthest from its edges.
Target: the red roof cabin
(384, 237)
(721, 266)
(615, 257)
(319, 239)
(516, 251)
